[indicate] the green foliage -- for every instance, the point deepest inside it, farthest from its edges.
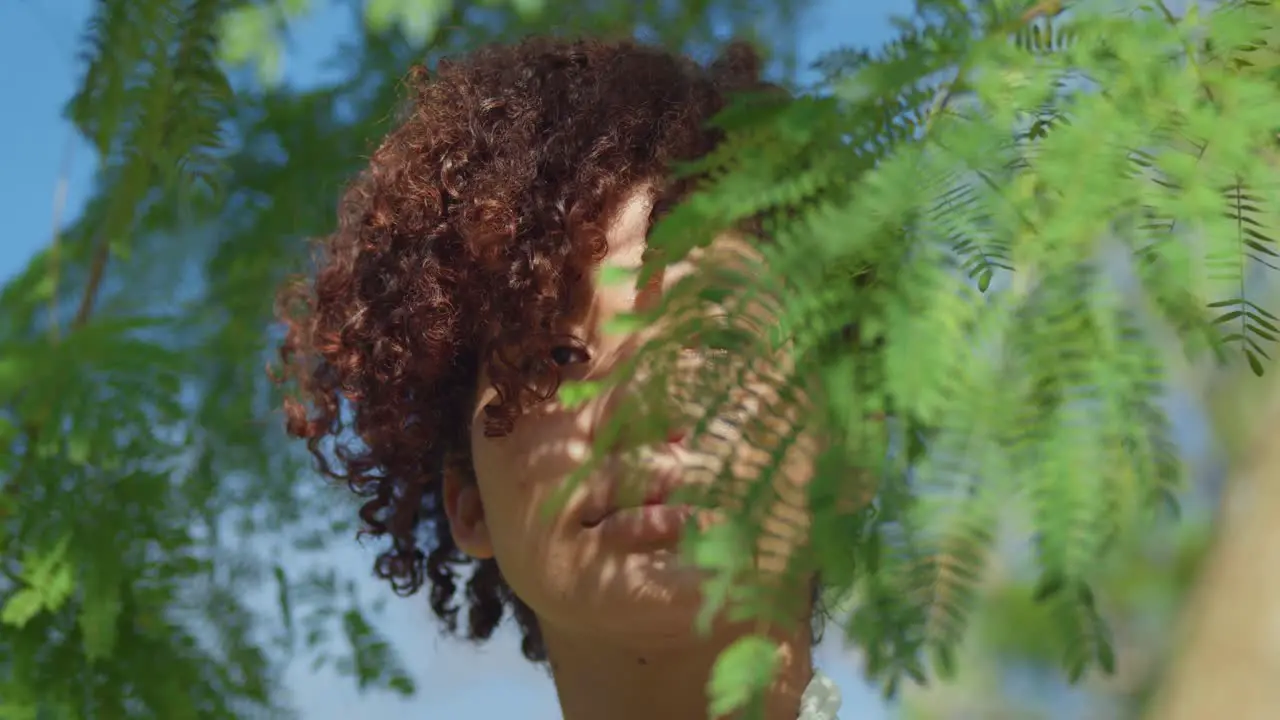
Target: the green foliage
(975, 231)
(47, 583)
(1140, 590)
(743, 671)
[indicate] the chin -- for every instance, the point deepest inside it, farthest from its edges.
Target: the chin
(663, 568)
(662, 619)
(658, 583)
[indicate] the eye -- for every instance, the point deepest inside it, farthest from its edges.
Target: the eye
(565, 355)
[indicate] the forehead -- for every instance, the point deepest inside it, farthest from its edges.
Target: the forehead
(628, 228)
(627, 231)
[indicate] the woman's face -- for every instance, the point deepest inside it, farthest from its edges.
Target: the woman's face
(606, 562)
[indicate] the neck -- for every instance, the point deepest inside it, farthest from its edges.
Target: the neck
(595, 679)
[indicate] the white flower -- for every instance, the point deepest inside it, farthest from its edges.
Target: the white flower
(821, 699)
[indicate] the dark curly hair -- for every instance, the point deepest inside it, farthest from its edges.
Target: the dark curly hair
(459, 247)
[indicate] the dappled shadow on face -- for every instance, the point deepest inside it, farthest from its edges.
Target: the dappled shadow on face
(574, 574)
(593, 585)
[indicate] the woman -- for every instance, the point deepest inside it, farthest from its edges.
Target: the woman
(457, 292)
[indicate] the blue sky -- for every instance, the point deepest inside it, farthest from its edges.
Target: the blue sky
(456, 681)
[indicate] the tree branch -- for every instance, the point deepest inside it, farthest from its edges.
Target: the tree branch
(97, 270)
(1228, 657)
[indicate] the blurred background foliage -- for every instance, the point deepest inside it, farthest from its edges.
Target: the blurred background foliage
(148, 501)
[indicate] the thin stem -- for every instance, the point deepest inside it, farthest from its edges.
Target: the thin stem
(55, 249)
(1044, 8)
(97, 270)
(1174, 21)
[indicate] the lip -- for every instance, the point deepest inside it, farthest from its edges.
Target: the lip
(656, 519)
(662, 475)
(660, 489)
(644, 524)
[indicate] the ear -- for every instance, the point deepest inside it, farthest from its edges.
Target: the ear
(465, 510)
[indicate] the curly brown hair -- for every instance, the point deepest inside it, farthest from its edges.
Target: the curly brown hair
(459, 247)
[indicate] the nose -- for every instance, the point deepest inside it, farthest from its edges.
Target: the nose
(641, 413)
(636, 412)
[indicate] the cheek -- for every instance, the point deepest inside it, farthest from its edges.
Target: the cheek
(536, 549)
(530, 462)
(785, 522)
